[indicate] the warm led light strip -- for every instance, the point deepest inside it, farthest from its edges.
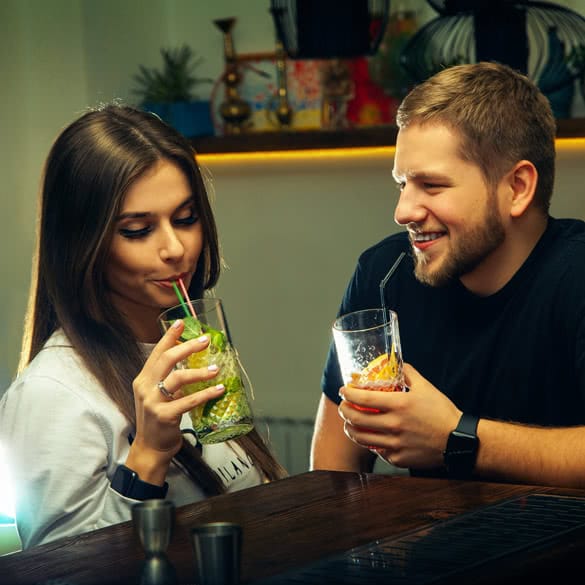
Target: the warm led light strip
(333, 153)
(282, 155)
(574, 143)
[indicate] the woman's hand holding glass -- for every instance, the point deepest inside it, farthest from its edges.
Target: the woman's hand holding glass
(160, 403)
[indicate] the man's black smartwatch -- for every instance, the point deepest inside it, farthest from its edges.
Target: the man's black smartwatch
(127, 483)
(462, 445)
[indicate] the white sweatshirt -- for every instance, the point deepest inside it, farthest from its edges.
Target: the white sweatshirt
(64, 438)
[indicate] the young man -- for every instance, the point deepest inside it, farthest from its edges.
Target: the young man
(490, 296)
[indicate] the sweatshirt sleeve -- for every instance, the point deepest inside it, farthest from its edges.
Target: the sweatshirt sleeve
(63, 447)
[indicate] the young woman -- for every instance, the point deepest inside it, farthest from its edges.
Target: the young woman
(90, 428)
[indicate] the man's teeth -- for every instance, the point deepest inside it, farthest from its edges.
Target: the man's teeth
(426, 237)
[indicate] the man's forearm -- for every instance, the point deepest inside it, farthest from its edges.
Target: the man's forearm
(527, 454)
(331, 449)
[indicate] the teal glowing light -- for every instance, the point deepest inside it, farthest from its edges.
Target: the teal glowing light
(7, 513)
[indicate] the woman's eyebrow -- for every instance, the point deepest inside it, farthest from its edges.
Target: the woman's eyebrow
(133, 215)
(141, 214)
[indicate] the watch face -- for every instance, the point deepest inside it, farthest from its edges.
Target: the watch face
(461, 453)
(123, 480)
(461, 444)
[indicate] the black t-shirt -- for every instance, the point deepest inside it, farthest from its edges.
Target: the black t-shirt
(517, 355)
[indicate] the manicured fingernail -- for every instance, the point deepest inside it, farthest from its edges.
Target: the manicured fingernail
(213, 368)
(202, 339)
(220, 387)
(177, 323)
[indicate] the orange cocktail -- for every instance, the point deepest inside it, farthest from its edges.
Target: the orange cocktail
(368, 349)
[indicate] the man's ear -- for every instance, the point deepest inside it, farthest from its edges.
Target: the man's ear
(522, 181)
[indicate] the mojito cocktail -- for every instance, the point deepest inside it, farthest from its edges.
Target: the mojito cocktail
(229, 415)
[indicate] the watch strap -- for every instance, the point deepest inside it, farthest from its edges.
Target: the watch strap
(127, 483)
(468, 424)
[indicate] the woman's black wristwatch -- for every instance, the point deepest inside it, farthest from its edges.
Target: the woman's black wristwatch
(127, 483)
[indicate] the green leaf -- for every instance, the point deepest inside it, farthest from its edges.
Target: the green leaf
(193, 328)
(209, 405)
(217, 338)
(232, 385)
(175, 82)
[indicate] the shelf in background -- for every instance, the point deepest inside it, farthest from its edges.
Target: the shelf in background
(322, 139)
(296, 140)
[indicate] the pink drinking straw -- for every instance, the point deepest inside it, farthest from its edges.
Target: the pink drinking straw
(186, 295)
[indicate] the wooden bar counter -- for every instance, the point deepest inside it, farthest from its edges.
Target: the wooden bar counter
(319, 515)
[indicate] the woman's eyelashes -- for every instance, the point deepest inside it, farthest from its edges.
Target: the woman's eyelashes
(132, 234)
(189, 220)
(141, 232)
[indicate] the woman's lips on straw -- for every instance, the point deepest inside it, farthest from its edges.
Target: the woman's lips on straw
(168, 282)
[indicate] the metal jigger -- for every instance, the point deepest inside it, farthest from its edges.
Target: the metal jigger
(234, 110)
(218, 549)
(154, 521)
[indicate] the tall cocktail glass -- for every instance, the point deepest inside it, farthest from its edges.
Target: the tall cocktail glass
(229, 415)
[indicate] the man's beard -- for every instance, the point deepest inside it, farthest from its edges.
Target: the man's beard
(474, 246)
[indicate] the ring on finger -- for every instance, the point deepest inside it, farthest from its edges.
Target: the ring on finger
(164, 391)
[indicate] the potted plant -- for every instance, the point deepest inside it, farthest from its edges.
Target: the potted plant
(170, 92)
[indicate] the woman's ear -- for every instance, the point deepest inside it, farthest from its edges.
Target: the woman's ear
(523, 179)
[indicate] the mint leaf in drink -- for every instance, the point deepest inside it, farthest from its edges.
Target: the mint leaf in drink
(233, 385)
(209, 406)
(192, 329)
(217, 338)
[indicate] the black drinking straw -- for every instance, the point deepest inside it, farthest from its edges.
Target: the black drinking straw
(382, 288)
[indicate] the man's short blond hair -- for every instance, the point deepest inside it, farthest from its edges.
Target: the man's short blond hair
(500, 114)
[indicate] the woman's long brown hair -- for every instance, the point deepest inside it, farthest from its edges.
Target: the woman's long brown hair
(89, 169)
